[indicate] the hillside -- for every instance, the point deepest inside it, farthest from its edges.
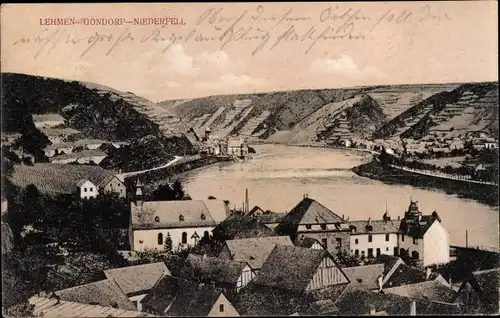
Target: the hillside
(469, 107)
(97, 112)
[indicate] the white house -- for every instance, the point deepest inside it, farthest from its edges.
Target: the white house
(185, 222)
(87, 189)
(423, 237)
(374, 238)
(47, 120)
(237, 147)
(137, 281)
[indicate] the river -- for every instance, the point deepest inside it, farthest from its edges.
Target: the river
(278, 177)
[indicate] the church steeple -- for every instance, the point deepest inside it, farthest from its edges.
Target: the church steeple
(138, 190)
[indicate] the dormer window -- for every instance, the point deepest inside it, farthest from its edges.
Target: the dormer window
(181, 217)
(203, 217)
(157, 219)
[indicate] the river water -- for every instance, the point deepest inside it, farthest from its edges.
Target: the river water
(278, 177)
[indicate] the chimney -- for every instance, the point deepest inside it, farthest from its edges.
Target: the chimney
(413, 308)
(428, 272)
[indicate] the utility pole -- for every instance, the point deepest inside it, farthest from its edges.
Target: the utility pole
(466, 238)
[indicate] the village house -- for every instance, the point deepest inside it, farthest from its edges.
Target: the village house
(47, 120)
(82, 157)
(53, 179)
(435, 290)
(137, 281)
(423, 237)
(185, 222)
(311, 219)
(227, 274)
(373, 238)
(300, 269)
(252, 251)
(58, 149)
(105, 293)
(52, 307)
(480, 292)
(237, 147)
(173, 296)
(58, 135)
(268, 218)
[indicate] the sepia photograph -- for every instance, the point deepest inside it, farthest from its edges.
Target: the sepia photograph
(250, 159)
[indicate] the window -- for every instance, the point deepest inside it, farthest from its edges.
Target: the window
(308, 226)
(356, 241)
(402, 237)
(221, 308)
(325, 242)
(84, 189)
(339, 242)
(323, 226)
(356, 253)
(378, 252)
(203, 216)
(135, 303)
(184, 238)
(387, 249)
(370, 238)
(181, 217)
(415, 241)
(160, 239)
(370, 252)
(387, 237)
(91, 190)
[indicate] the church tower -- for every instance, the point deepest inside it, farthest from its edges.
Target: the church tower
(139, 190)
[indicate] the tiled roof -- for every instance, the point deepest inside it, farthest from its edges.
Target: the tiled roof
(162, 294)
(307, 242)
(58, 178)
(356, 301)
(51, 307)
(290, 267)
(218, 210)
(255, 251)
(59, 145)
(364, 277)
(86, 153)
(255, 210)
(416, 229)
(47, 117)
(105, 293)
(488, 282)
(133, 279)
(272, 217)
(308, 211)
(432, 290)
(215, 269)
(377, 226)
(48, 131)
(194, 300)
(194, 212)
(404, 275)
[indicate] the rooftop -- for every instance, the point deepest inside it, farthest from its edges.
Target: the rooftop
(47, 117)
(255, 251)
(433, 290)
(216, 269)
(105, 293)
(365, 277)
(177, 214)
(51, 307)
(133, 279)
(375, 226)
(86, 153)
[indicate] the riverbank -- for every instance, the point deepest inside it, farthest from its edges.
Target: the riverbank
(487, 194)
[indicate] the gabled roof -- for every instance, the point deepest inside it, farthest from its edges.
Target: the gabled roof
(255, 210)
(487, 284)
(162, 294)
(433, 290)
(51, 307)
(377, 226)
(405, 275)
(290, 267)
(47, 117)
(255, 251)
(105, 293)
(58, 178)
(133, 279)
(195, 213)
(194, 300)
(86, 153)
(417, 228)
(364, 277)
(308, 211)
(216, 269)
(82, 182)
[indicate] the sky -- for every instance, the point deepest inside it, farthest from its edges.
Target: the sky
(250, 47)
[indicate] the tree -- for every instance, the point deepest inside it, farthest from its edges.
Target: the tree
(168, 243)
(178, 189)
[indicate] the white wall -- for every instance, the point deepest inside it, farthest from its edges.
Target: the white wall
(149, 238)
(378, 241)
(95, 159)
(91, 192)
(246, 276)
(408, 244)
(138, 299)
(436, 245)
(229, 310)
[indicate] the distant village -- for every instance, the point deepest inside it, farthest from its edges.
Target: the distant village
(308, 261)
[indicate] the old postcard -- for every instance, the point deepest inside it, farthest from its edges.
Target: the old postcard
(250, 159)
